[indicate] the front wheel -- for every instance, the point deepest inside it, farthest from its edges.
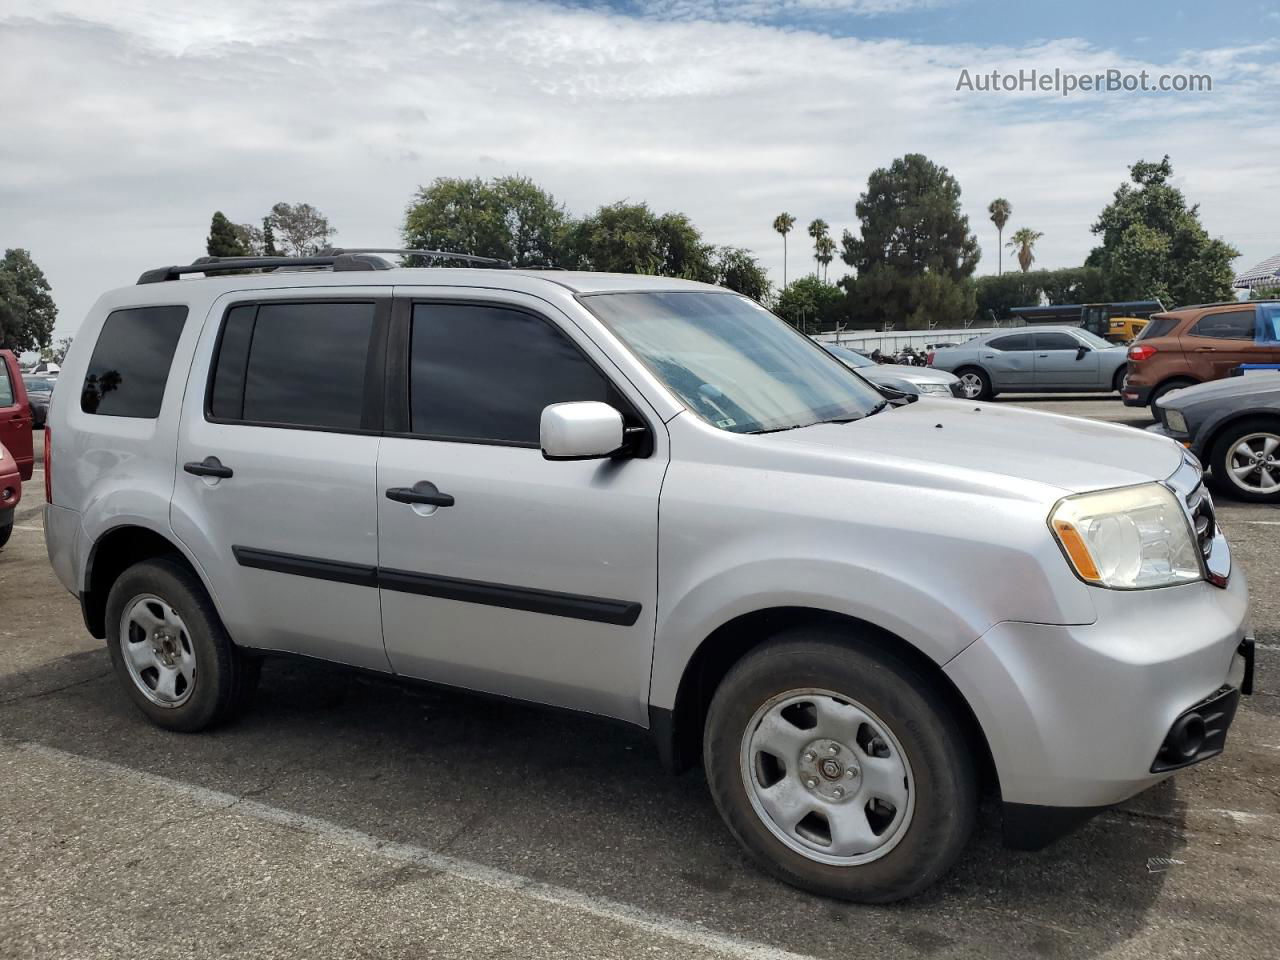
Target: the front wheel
(837, 768)
(1246, 461)
(974, 383)
(6, 531)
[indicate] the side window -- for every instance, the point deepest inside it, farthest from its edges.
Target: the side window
(1237, 325)
(131, 360)
(1016, 341)
(1056, 341)
(7, 398)
(484, 373)
(293, 364)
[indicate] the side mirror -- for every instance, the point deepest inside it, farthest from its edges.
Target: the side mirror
(1081, 351)
(584, 430)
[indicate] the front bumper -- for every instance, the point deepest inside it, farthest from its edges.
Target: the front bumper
(1076, 716)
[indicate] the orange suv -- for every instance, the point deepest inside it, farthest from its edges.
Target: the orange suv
(1192, 345)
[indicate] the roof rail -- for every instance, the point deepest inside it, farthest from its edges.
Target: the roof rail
(364, 258)
(428, 254)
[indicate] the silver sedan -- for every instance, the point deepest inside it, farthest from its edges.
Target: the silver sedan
(1035, 360)
(898, 376)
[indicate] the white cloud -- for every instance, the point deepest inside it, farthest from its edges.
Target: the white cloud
(127, 124)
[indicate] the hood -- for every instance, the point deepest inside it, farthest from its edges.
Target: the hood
(900, 371)
(1261, 387)
(1068, 453)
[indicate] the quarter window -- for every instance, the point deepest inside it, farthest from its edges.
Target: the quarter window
(293, 365)
(1238, 325)
(485, 373)
(1017, 341)
(131, 360)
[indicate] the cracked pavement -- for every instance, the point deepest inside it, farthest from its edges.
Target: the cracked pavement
(349, 816)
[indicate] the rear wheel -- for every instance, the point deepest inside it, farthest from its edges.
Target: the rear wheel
(170, 651)
(974, 383)
(6, 531)
(1167, 387)
(1117, 382)
(836, 768)
(1246, 460)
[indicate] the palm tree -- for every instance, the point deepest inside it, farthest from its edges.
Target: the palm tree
(783, 223)
(1000, 211)
(1024, 240)
(826, 248)
(818, 229)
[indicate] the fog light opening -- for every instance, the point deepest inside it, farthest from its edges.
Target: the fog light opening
(1187, 737)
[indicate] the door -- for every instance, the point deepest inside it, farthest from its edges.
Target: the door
(277, 462)
(15, 415)
(1009, 360)
(526, 577)
(1217, 343)
(1059, 362)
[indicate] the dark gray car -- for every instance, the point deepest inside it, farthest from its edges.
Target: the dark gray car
(1233, 426)
(898, 376)
(1035, 360)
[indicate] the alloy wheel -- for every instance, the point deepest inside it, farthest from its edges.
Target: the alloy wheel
(1254, 463)
(971, 384)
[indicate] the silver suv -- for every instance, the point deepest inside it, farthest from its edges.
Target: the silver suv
(650, 500)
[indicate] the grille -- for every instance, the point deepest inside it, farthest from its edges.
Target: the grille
(1200, 506)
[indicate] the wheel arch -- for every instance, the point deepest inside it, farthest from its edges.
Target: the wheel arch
(678, 731)
(1216, 432)
(114, 552)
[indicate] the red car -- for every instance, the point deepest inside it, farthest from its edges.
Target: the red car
(10, 493)
(15, 415)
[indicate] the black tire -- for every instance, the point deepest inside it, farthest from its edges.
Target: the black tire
(225, 678)
(1167, 387)
(1117, 382)
(6, 531)
(986, 393)
(1220, 453)
(910, 704)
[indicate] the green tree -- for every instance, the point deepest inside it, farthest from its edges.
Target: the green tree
(269, 248)
(826, 251)
(1000, 210)
(224, 240)
(1265, 293)
(57, 352)
(809, 304)
(818, 229)
(783, 223)
(27, 310)
(915, 256)
(1153, 245)
(739, 270)
(1024, 241)
(630, 238)
(510, 218)
(997, 294)
(302, 230)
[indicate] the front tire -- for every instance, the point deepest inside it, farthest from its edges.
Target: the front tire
(974, 383)
(834, 764)
(170, 651)
(1245, 460)
(6, 531)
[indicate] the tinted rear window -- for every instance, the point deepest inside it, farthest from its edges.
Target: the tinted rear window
(1157, 327)
(293, 364)
(1017, 341)
(131, 360)
(1056, 341)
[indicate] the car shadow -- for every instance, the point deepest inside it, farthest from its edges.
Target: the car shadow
(583, 803)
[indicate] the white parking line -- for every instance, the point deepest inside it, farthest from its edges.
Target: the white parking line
(613, 910)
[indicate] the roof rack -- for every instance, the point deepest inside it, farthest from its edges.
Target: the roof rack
(338, 259)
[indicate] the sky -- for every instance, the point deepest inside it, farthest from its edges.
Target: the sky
(125, 124)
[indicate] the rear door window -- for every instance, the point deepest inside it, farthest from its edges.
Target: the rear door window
(1016, 341)
(1237, 325)
(7, 393)
(130, 364)
(294, 365)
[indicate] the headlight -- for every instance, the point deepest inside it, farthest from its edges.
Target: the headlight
(1127, 539)
(1175, 421)
(939, 388)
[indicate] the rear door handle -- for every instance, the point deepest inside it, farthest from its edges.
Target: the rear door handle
(422, 492)
(208, 467)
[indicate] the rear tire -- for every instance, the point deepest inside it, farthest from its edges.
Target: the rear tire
(1117, 382)
(882, 769)
(974, 383)
(6, 531)
(170, 651)
(1167, 387)
(1235, 447)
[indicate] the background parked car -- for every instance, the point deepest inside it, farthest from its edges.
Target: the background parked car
(10, 493)
(39, 392)
(1034, 360)
(914, 380)
(15, 415)
(1198, 344)
(1233, 426)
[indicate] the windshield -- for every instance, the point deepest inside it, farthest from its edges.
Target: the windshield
(1094, 341)
(732, 362)
(850, 358)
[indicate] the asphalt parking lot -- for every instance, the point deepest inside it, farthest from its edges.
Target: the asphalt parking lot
(352, 817)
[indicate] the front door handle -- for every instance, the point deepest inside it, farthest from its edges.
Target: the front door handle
(208, 467)
(422, 492)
